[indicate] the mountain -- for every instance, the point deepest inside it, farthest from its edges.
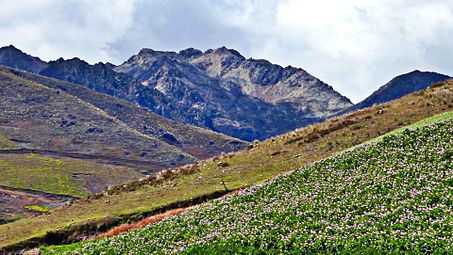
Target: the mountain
(216, 89)
(38, 117)
(99, 77)
(15, 58)
(199, 142)
(221, 90)
(400, 86)
(61, 141)
(38, 113)
(271, 83)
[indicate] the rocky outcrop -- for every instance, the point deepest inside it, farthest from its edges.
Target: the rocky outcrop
(272, 83)
(99, 77)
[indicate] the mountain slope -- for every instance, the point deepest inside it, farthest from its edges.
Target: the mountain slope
(400, 86)
(272, 83)
(37, 117)
(215, 95)
(218, 89)
(373, 199)
(198, 142)
(236, 170)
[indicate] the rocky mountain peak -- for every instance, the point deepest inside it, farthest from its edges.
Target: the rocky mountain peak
(10, 47)
(75, 61)
(216, 61)
(15, 58)
(190, 53)
(146, 53)
(225, 51)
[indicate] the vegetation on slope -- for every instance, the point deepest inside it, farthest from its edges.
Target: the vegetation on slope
(63, 176)
(5, 143)
(244, 168)
(393, 196)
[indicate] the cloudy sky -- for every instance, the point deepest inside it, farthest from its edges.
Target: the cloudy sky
(354, 45)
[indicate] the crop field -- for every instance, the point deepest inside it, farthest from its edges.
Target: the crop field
(427, 121)
(392, 196)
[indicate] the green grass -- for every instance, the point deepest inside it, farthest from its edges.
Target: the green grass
(256, 165)
(389, 197)
(37, 208)
(55, 175)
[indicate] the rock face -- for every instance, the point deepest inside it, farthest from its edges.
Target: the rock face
(221, 90)
(217, 89)
(272, 83)
(400, 86)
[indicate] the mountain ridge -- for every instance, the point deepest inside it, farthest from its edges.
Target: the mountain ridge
(255, 101)
(399, 86)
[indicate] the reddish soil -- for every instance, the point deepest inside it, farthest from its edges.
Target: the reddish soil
(140, 224)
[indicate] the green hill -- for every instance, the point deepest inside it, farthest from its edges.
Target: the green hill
(65, 139)
(391, 196)
(236, 170)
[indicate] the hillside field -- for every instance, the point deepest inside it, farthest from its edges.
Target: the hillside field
(390, 196)
(237, 170)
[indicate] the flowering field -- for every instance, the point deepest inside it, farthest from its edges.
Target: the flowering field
(393, 196)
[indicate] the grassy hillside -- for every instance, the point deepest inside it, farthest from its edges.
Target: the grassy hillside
(42, 118)
(30, 181)
(64, 176)
(65, 139)
(393, 196)
(198, 142)
(5, 143)
(259, 163)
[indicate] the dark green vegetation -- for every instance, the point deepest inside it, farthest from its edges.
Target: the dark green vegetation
(393, 196)
(261, 162)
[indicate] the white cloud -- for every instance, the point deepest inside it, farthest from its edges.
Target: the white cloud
(354, 45)
(357, 45)
(53, 28)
